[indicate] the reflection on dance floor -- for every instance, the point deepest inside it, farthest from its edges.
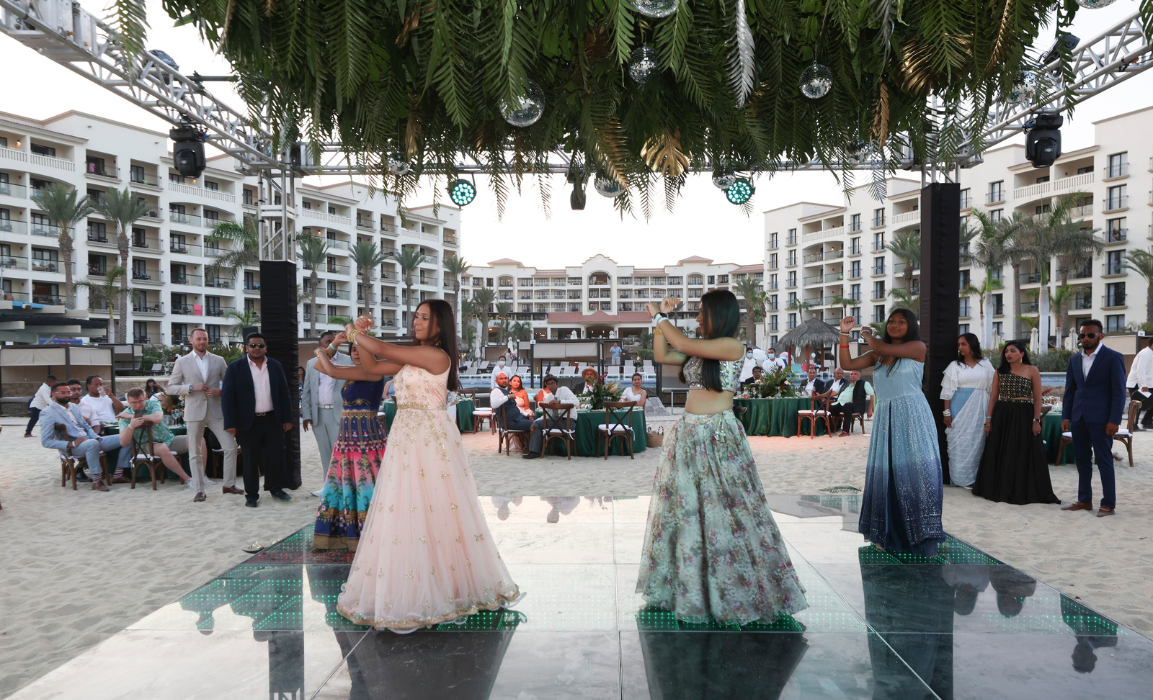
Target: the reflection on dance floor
(959, 625)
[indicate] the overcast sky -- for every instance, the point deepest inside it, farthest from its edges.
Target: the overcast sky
(703, 222)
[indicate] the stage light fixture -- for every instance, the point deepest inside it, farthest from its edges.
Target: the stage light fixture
(461, 192)
(740, 191)
(577, 178)
(1043, 139)
(188, 150)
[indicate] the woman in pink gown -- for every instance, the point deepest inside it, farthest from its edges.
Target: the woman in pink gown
(426, 555)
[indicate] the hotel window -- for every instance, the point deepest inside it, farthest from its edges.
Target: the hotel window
(855, 222)
(1118, 165)
(1115, 324)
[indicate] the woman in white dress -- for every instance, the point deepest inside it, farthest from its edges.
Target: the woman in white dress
(635, 393)
(965, 390)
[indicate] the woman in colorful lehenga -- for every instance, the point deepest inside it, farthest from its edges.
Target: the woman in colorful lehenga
(901, 505)
(712, 549)
(356, 456)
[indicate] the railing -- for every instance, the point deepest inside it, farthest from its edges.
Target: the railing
(146, 310)
(181, 310)
(878, 270)
(153, 246)
(35, 159)
(48, 299)
(997, 196)
(1029, 307)
(877, 297)
(821, 235)
(1082, 273)
(1117, 235)
(189, 280)
(899, 267)
(98, 238)
(854, 275)
(331, 293)
(1114, 203)
(9, 190)
(92, 169)
(183, 248)
(152, 215)
(146, 182)
(338, 245)
(42, 265)
(187, 219)
(907, 217)
(218, 311)
(1112, 301)
(336, 269)
(1113, 269)
(147, 278)
(878, 222)
(389, 300)
(253, 289)
(451, 241)
(1119, 170)
(364, 226)
(1030, 278)
(452, 286)
(9, 262)
(46, 230)
(220, 283)
(1079, 303)
(202, 192)
(214, 251)
(856, 250)
(966, 201)
(322, 216)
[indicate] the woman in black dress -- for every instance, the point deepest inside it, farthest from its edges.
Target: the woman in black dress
(1014, 468)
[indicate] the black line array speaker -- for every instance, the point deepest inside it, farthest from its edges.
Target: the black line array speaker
(278, 323)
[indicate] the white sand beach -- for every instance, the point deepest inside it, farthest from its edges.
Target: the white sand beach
(81, 566)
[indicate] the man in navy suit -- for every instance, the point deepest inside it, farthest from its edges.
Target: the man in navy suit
(258, 412)
(1094, 397)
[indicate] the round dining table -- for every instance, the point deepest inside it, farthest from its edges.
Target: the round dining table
(775, 417)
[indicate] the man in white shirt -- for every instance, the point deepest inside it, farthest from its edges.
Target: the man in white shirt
(80, 440)
(41, 401)
(501, 368)
(1140, 380)
(772, 362)
(552, 393)
(320, 401)
(86, 409)
(105, 404)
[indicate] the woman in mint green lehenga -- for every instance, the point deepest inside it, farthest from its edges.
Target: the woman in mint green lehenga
(712, 550)
(901, 505)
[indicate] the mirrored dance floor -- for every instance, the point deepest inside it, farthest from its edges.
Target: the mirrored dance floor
(961, 625)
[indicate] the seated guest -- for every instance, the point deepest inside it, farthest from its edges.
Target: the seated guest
(83, 441)
(152, 389)
(757, 374)
(591, 379)
(853, 399)
(499, 401)
(635, 393)
(517, 391)
(105, 404)
(813, 386)
(553, 393)
(142, 411)
(836, 384)
(86, 409)
(389, 390)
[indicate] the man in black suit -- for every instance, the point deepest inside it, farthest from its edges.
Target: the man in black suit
(258, 412)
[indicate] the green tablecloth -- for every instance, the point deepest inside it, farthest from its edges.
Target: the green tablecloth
(464, 411)
(1051, 434)
(775, 417)
(587, 427)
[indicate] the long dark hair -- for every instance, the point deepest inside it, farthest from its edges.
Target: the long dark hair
(722, 316)
(974, 347)
(1005, 367)
(914, 332)
(441, 311)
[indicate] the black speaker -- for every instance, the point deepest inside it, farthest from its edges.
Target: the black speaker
(278, 323)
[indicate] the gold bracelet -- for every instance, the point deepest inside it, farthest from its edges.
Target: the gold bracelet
(352, 335)
(658, 331)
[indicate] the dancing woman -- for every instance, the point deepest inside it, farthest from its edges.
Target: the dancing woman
(1014, 468)
(712, 549)
(426, 555)
(965, 390)
(901, 505)
(356, 456)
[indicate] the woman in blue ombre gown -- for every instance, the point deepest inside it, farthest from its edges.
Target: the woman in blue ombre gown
(901, 506)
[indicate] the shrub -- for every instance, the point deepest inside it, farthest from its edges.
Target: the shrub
(1053, 361)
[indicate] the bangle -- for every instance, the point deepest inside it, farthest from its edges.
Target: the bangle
(658, 331)
(844, 346)
(946, 412)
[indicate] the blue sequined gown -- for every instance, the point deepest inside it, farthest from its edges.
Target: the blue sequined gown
(901, 506)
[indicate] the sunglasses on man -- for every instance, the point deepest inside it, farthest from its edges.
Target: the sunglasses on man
(1090, 336)
(256, 345)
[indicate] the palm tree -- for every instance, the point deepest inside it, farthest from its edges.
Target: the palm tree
(1141, 262)
(313, 253)
(243, 320)
(754, 295)
(456, 266)
(409, 259)
(124, 208)
(988, 285)
(245, 249)
(468, 335)
(340, 321)
(484, 299)
(64, 208)
(1059, 301)
(905, 299)
(105, 294)
(367, 258)
(504, 313)
(844, 303)
(907, 247)
(988, 244)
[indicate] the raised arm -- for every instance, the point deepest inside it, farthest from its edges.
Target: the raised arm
(728, 349)
(864, 361)
(324, 366)
(913, 350)
(429, 358)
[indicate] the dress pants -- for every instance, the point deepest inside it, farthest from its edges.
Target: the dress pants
(197, 461)
(1089, 438)
(263, 446)
(1146, 406)
(33, 420)
(536, 440)
(842, 417)
(90, 451)
(326, 429)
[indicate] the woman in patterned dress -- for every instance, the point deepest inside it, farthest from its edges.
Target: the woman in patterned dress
(355, 456)
(712, 549)
(426, 555)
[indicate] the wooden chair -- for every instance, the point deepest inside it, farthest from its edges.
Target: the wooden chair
(505, 436)
(145, 456)
(1125, 435)
(618, 425)
(860, 417)
(558, 428)
(479, 413)
(813, 414)
(70, 464)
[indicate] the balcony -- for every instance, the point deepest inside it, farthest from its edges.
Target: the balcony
(807, 238)
(1031, 277)
(144, 245)
(1029, 307)
(220, 283)
(186, 219)
(1116, 172)
(1113, 301)
(854, 275)
(451, 241)
(966, 200)
(327, 218)
(181, 310)
(9, 262)
(147, 182)
(791, 284)
(335, 269)
(1081, 303)
(148, 310)
(451, 286)
(53, 266)
(218, 311)
(1116, 235)
(363, 225)
(111, 175)
(42, 229)
(855, 250)
(35, 159)
(877, 297)
(899, 268)
(335, 244)
(16, 191)
(96, 240)
(151, 279)
(1114, 270)
(322, 292)
(152, 216)
(877, 222)
(184, 248)
(213, 250)
(908, 218)
(253, 290)
(202, 192)
(877, 271)
(389, 300)
(1081, 273)
(187, 280)
(1116, 203)
(48, 299)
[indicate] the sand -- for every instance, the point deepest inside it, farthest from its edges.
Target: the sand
(81, 566)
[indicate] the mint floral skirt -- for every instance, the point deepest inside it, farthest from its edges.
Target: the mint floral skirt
(712, 549)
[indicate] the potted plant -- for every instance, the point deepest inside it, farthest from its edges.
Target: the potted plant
(602, 391)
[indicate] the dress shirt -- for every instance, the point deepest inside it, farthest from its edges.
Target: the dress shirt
(201, 364)
(102, 405)
(325, 385)
(72, 416)
(1141, 374)
(563, 395)
(43, 397)
(261, 387)
(1087, 359)
(89, 414)
(811, 386)
(497, 397)
(845, 395)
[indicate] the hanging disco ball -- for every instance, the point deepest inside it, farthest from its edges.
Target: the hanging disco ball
(859, 152)
(740, 191)
(398, 166)
(816, 81)
(1095, 4)
(643, 63)
(527, 109)
(1025, 88)
(724, 179)
(461, 192)
(608, 188)
(655, 8)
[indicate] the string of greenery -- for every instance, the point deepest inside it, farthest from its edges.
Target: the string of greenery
(426, 79)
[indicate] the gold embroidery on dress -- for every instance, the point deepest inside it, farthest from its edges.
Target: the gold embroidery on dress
(423, 539)
(479, 537)
(408, 575)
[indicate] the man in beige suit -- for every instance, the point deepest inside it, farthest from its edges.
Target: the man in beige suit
(197, 377)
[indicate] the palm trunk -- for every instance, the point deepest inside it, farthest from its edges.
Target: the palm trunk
(1043, 320)
(122, 332)
(1016, 300)
(64, 243)
(1149, 303)
(313, 279)
(408, 302)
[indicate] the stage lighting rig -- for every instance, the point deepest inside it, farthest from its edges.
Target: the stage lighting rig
(188, 149)
(461, 192)
(1043, 139)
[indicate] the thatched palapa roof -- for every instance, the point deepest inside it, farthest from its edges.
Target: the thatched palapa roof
(811, 333)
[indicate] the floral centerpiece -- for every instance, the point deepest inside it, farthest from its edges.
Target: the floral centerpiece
(602, 391)
(776, 384)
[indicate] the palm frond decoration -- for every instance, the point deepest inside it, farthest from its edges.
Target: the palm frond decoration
(742, 65)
